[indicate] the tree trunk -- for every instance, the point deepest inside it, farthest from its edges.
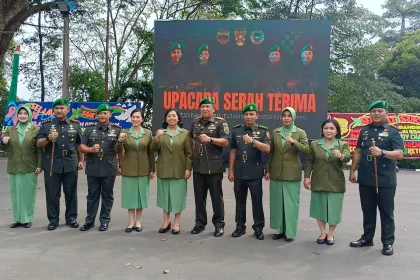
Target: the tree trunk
(13, 13)
(402, 25)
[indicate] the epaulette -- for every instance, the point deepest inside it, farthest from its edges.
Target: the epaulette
(262, 126)
(116, 125)
(197, 118)
(219, 118)
(92, 124)
(46, 121)
(74, 120)
(238, 125)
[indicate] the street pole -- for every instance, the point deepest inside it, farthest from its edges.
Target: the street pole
(66, 55)
(106, 94)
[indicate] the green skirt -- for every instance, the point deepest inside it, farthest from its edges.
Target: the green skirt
(327, 207)
(135, 192)
(284, 206)
(172, 195)
(22, 189)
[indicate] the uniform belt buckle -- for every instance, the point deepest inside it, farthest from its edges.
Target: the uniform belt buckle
(369, 157)
(64, 153)
(101, 154)
(200, 150)
(244, 157)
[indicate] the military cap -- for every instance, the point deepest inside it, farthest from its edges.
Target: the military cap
(103, 107)
(61, 102)
(274, 48)
(203, 47)
(306, 47)
(379, 104)
(176, 45)
(207, 100)
(249, 107)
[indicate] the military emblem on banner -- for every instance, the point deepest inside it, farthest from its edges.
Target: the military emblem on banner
(257, 37)
(240, 36)
(223, 36)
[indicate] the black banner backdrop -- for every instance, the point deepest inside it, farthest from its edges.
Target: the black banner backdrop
(275, 64)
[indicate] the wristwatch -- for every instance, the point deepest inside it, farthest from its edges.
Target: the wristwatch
(211, 140)
(384, 153)
(253, 141)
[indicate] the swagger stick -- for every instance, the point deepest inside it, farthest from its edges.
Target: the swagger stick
(376, 168)
(53, 150)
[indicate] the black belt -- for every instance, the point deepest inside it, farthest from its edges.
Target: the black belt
(66, 152)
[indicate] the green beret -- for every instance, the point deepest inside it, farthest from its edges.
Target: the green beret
(203, 47)
(306, 47)
(61, 102)
(103, 107)
(379, 104)
(176, 45)
(274, 48)
(250, 107)
(207, 100)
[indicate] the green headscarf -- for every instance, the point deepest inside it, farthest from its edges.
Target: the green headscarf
(287, 130)
(23, 127)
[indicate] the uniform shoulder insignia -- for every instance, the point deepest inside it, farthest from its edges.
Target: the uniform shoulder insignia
(74, 120)
(46, 121)
(197, 118)
(263, 127)
(219, 118)
(238, 125)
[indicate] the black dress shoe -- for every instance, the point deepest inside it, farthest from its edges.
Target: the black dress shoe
(259, 235)
(87, 227)
(52, 226)
(103, 227)
(330, 242)
(238, 232)
(278, 236)
(129, 229)
(218, 232)
(27, 225)
(322, 240)
(287, 239)
(387, 250)
(165, 229)
(197, 229)
(138, 229)
(361, 243)
(176, 231)
(15, 225)
(72, 224)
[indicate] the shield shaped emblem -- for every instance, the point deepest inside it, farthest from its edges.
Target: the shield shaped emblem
(223, 36)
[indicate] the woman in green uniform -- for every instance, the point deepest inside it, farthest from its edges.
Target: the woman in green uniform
(174, 164)
(325, 161)
(138, 168)
(284, 170)
(23, 166)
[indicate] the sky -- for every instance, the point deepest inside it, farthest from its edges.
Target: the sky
(373, 5)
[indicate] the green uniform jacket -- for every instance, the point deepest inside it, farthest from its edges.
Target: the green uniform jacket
(138, 161)
(327, 174)
(23, 158)
(173, 159)
(283, 163)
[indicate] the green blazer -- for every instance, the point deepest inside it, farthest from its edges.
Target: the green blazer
(137, 161)
(173, 159)
(327, 174)
(23, 158)
(283, 163)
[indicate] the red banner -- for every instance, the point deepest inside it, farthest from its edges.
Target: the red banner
(407, 123)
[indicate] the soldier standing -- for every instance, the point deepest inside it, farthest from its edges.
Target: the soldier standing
(210, 135)
(246, 169)
(60, 138)
(388, 148)
(98, 142)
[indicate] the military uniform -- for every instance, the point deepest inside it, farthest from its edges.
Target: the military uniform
(174, 76)
(208, 169)
(205, 74)
(101, 171)
(64, 169)
(387, 138)
(248, 173)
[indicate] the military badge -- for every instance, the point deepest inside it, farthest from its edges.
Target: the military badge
(257, 37)
(226, 128)
(240, 36)
(267, 133)
(223, 36)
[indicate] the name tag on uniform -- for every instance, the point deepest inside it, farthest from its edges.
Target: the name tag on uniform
(383, 134)
(212, 126)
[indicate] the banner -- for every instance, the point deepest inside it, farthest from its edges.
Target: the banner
(84, 112)
(275, 64)
(408, 123)
(15, 75)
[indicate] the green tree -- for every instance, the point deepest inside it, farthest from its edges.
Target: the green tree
(402, 10)
(86, 85)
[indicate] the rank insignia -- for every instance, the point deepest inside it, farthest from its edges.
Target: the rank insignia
(267, 133)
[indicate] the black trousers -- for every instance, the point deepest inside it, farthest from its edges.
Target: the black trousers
(202, 184)
(53, 194)
(100, 187)
(384, 200)
(241, 192)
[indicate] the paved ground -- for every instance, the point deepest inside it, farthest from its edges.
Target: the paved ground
(70, 254)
